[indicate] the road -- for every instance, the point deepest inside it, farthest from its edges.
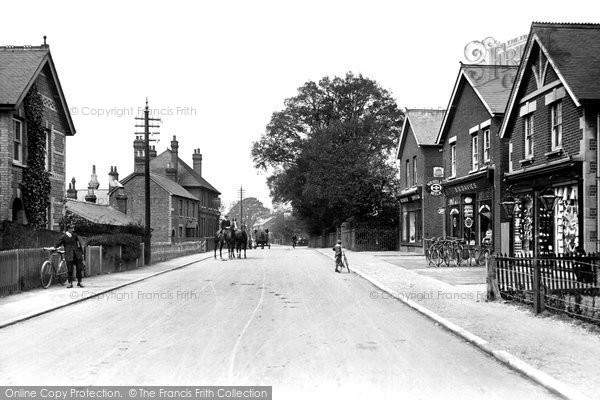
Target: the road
(281, 317)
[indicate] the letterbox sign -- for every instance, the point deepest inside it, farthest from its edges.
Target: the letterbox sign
(438, 172)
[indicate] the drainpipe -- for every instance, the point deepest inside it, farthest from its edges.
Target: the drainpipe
(597, 182)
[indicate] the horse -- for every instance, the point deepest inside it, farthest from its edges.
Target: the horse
(241, 241)
(222, 238)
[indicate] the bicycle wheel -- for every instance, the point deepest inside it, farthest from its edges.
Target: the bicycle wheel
(482, 255)
(436, 258)
(62, 273)
(46, 274)
(345, 262)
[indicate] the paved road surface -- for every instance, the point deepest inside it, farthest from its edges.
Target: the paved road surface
(282, 317)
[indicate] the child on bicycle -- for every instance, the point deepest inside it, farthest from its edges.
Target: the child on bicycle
(338, 255)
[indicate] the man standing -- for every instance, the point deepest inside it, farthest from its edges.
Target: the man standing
(338, 255)
(73, 253)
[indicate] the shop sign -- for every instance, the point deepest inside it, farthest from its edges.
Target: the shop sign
(441, 210)
(438, 172)
(468, 210)
(468, 222)
(467, 187)
(435, 188)
(412, 197)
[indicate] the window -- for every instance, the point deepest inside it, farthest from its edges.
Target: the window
(529, 136)
(18, 140)
(407, 173)
(453, 160)
(556, 112)
(414, 170)
(48, 157)
(180, 209)
(486, 145)
(475, 153)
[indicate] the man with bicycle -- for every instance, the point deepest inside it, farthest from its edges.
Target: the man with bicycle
(338, 255)
(73, 254)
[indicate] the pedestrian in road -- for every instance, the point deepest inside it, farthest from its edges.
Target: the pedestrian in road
(338, 255)
(73, 253)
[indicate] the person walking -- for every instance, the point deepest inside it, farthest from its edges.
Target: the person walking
(73, 253)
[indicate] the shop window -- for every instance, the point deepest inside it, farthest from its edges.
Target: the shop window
(411, 223)
(486, 145)
(566, 220)
(453, 160)
(523, 226)
(474, 153)
(529, 126)
(556, 116)
(485, 222)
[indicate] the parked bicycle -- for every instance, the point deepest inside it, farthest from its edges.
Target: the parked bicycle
(50, 269)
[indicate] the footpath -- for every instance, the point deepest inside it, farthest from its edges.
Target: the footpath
(561, 354)
(22, 306)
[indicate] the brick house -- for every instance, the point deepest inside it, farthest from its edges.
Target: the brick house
(21, 69)
(473, 151)
(420, 168)
(551, 123)
(184, 205)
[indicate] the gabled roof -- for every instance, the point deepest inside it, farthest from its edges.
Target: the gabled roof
(425, 124)
(186, 175)
(167, 184)
(573, 51)
(491, 83)
(19, 68)
(98, 213)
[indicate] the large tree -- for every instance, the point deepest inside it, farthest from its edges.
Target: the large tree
(329, 152)
(253, 210)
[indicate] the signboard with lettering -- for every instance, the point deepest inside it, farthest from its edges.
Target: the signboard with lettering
(434, 188)
(467, 187)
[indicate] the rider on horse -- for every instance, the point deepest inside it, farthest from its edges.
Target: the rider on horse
(225, 224)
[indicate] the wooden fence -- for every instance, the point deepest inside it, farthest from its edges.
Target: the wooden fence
(563, 283)
(20, 269)
(359, 239)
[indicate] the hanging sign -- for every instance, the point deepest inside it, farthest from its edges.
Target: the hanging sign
(434, 188)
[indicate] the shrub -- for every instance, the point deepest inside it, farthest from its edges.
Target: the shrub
(130, 244)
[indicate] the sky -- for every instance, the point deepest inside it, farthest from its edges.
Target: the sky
(214, 72)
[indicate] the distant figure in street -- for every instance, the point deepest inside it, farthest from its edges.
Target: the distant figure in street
(73, 253)
(294, 240)
(338, 255)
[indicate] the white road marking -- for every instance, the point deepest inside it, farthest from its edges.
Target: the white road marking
(239, 339)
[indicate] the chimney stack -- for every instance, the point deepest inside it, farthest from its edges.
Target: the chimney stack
(197, 161)
(72, 192)
(92, 185)
(172, 167)
(121, 198)
(113, 178)
(152, 152)
(138, 155)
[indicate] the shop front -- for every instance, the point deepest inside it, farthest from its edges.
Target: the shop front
(469, 210)
(559, 225)
(411, 225)
(559, 228)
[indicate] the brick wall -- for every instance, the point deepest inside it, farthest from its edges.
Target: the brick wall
(469, 111)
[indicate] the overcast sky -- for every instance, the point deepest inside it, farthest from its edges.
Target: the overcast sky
(217, 70)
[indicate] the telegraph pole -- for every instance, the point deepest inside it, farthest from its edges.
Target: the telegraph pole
(241, 192)
(146, 118)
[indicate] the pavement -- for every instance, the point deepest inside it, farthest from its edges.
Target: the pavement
(557, 352)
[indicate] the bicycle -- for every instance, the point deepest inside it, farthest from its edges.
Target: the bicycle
(49, 270)
(342, 262)
(485, 250)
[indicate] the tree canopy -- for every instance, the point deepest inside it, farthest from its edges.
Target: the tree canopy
(329, 152)
(253, 210)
